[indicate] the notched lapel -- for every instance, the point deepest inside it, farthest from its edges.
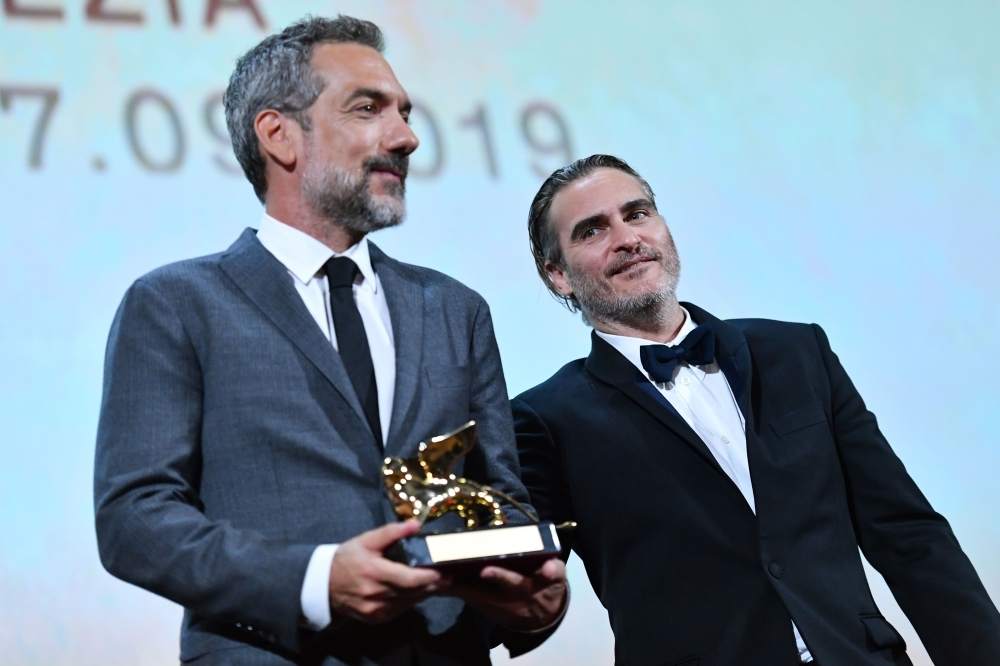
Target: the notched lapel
(265, 281)
(405, 300)
(608, 365)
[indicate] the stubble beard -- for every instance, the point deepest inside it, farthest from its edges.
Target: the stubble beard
(345, 199)
(644, 309)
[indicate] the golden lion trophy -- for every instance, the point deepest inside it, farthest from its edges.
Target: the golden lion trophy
(424, 488)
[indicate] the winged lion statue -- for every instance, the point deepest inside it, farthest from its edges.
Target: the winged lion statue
(424, 488)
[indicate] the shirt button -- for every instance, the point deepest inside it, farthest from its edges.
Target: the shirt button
(685, 381)
(774, 569)
(725, 440)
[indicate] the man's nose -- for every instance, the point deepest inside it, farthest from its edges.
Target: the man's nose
(399, 137)
(624, 237)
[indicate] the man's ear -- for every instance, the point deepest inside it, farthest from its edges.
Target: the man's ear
(279, 137)
(558, 276)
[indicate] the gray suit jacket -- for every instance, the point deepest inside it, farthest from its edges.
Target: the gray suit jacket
(231, 443)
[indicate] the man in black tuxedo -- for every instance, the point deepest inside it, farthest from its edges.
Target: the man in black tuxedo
(723, 474)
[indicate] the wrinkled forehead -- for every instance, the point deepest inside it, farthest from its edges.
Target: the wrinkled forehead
(603, 192)
(347, 67)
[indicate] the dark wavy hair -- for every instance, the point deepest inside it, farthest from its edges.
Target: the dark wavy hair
(544, 243)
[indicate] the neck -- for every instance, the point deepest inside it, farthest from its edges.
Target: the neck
(300, 216)
(662, 328)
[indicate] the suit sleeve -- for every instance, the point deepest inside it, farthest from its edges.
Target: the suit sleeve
(495, 459)
(151, 530)
(541, 468)
(490, 408)
(910, 544)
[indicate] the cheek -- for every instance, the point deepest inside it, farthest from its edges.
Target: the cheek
(597, 265)
(347, 146)
(589, 262)
(657, 236)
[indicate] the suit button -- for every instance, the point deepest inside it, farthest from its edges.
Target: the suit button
(774, 569)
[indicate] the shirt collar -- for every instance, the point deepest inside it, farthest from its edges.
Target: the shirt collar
(629, 346)
(304, 256)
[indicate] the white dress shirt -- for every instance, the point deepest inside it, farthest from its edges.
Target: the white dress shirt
(703, 398)
(304, 257)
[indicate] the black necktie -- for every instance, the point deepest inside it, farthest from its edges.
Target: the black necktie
(697, 348)
(352, 342)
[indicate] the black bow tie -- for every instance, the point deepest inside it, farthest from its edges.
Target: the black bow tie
(697, 348)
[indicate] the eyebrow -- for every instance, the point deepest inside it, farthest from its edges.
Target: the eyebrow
(585, 224)
(635, 204)
(378, 96)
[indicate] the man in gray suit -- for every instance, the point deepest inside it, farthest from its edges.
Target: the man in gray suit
(250, 396)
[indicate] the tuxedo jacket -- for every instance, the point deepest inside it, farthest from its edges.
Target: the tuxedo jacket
(689, 575)
(231, 443)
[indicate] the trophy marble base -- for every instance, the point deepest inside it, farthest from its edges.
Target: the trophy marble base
(521, 548)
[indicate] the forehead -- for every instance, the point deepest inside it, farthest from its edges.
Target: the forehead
(601, 193)
(348, 66)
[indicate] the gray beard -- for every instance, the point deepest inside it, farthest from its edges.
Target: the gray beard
(346, 200)
(642, 311)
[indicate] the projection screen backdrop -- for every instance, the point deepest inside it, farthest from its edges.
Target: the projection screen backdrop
(822, 162)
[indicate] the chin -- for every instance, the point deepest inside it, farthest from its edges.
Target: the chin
(387, 189)
(394, 205)
(636, 294)
(642, 285)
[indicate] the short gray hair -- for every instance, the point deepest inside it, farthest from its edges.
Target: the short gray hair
(544, 242)
(277, 74)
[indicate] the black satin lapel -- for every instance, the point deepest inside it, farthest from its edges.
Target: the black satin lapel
(661, 409)
(265, 281)
(608, 365)
(744, 375)
(405, 299)
(736, 362)
(647, 387)
(733, 356)
(731, 368)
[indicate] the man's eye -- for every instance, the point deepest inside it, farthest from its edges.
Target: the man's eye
(369, 108)
(636, 214)
(590, 233)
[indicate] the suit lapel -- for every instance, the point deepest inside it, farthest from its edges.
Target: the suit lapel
(733, 356)
(405, 299)
(608, 365)
(265, 281)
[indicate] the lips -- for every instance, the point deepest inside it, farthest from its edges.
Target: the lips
(630, 263)
(389, 172)
(395, 165)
